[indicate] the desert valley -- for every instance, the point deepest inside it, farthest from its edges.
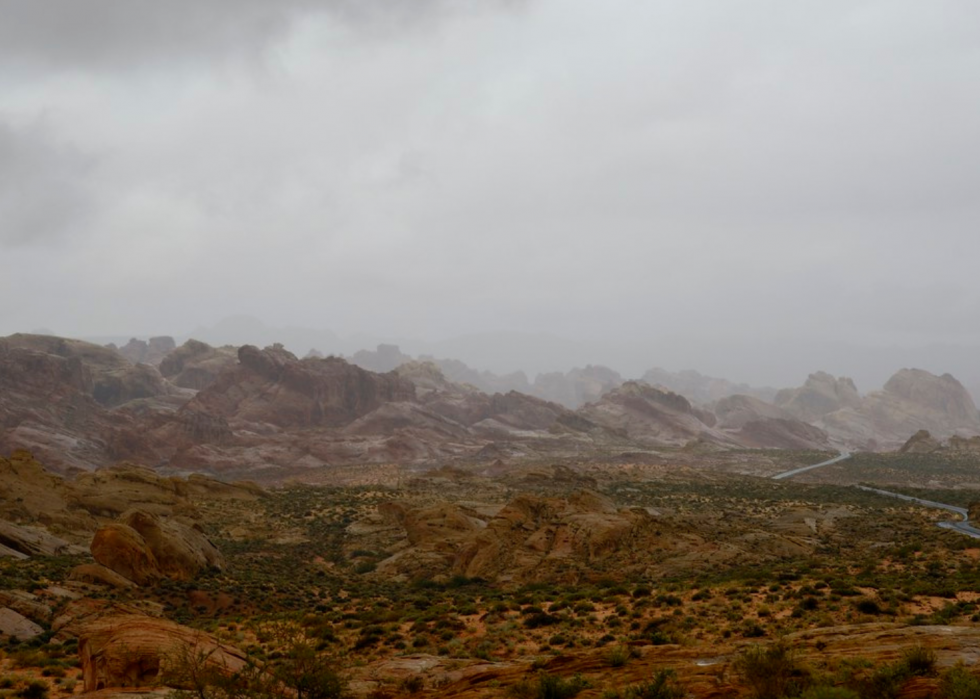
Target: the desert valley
(236, 521)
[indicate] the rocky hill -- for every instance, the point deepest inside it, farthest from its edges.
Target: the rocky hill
(701, 389)
(820, 395)
(910, 401)
(73, 403)
(652, 416)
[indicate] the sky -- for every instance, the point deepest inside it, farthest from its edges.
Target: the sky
(757, 189)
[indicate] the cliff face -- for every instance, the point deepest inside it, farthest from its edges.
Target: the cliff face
(273, 387)
(910, 401)
(652, 416)
(820, 395)
(64, 399)
(196, 365)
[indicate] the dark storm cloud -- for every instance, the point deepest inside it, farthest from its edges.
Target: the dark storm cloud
(82, 34)
(42, 187)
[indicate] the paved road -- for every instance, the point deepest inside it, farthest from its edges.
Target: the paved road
(963, 526)
(796, 471)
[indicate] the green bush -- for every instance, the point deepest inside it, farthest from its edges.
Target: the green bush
(918, 662)
(771, 672)
(618, 656)
(663, 685)
(958, 683)
(549, 687)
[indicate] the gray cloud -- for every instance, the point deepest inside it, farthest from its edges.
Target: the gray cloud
(665, 183)
(42, 187)
(117, 34)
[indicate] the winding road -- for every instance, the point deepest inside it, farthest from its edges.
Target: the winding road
(796, 471)
(962, 526)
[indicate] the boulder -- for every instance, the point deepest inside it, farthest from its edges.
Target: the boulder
(14, 625)
(142, 547)
(180, 551)
(32, 541)
(133, 650)
(97, 574)
(123, 550)
(922, 442)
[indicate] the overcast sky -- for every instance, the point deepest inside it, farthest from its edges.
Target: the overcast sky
(693, 180)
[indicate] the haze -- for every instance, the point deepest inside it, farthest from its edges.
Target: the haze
(755, 189)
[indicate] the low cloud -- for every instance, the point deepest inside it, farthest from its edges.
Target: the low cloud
(42, 187)
(118, 34)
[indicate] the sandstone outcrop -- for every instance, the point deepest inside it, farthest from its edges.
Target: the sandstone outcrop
(121, 549)
(651, 416)
(143, 548)
(73, 509)
(76, 405)
(180, 551)
(196, 365)
(921, 443)
(530, 538)
(150, 351)
(273, 387)
(99, 371)
(701, 389)
(14, 625)
(910, 401)
(820, 395)
(133, 650)
(97, 574)
(32, 541)
(576, 387)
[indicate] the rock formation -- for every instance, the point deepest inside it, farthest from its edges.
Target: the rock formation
(150, 351)
(17, 626)
(576, 387)
(921, 443)
(530, 538)
(910, 401)
(755, 423)
(700, 389)
(820, 395)
(651, 416)
(196, 365)
(134, 650)
(143, 548)
(74, 509)
(75, 404)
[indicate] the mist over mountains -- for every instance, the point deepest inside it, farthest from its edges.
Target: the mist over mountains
(770, 363)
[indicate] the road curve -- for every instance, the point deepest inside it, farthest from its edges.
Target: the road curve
(963, 526)
(796, 471)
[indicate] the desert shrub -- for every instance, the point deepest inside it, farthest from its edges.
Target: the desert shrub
(883, 684)
(618, 656)
(663, 685)
(958, 683)
(868, 606)
(918, 662)
(771, 672)
(548, 686)
(413, 684)
(540, 619)
(34, 690)
(828, 692)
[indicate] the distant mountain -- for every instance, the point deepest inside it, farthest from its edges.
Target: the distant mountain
(703, 390)
(911, 400)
